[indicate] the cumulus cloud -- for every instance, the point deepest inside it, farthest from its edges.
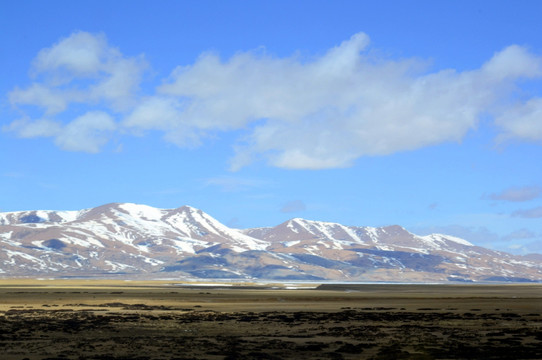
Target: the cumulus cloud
(164, 113)
(302, 113)
(88, 132)
(27, 128)
(333, 109)
(522, 121)
(51, 99)
(533, 213)
(80, 84)
(80, 54)
(517, 194)
(512, 63)
(82, 59)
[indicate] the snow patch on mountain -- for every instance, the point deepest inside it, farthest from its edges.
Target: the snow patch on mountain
(146, 212)
(133, 239)
(443, 238)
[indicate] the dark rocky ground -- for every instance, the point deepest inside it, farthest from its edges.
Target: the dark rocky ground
(118, 331)
(151, 320)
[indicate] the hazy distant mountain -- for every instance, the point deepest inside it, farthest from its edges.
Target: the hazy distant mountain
(186, 243)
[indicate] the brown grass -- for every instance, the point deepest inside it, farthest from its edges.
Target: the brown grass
(113, 319)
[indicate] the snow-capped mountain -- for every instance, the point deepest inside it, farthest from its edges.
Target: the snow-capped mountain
(141, 241)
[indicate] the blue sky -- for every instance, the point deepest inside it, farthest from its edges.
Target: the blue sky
(426, 114)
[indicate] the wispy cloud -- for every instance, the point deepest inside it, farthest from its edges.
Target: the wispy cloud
(293, 206)
(301, 113)
(476, 235)
(234, 223)
(518, 241)
(13, 174)
(517, 194)
(524, 242)
(533, 213)
(520, 234)
(236, 184)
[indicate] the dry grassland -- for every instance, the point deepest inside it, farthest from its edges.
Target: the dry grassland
(78, 319)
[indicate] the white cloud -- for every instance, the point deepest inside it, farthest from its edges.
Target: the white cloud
(522, 121)
(163, 113)
(331, 110)
(513, 62)
(303, 113)
(87, 57)
(88, 132)
(121, 81)
(81, 70)
(26, 128)
(80, 54)
(51, 99)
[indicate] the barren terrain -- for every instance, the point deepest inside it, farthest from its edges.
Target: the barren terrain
(78, 319)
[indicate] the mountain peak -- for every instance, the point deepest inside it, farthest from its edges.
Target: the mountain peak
(136, 239)
(142, 211)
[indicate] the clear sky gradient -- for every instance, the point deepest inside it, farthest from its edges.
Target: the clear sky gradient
(426, 114)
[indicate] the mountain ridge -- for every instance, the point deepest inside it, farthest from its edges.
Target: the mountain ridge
(134, 240)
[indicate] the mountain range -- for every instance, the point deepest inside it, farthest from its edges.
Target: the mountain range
(139, 241)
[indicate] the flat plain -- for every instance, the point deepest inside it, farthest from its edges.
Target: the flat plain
(99, 319)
